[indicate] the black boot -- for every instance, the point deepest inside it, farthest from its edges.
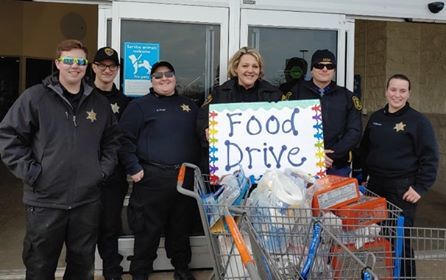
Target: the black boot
(140, 277)
(183, 274)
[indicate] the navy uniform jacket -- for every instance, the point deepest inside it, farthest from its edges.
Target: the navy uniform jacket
(341, 118)
(60, 152)
(118, 101)
(400, 145)
(159, 129)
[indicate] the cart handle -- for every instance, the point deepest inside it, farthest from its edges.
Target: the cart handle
(180, 179)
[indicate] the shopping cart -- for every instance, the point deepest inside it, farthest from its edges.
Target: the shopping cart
(297, 245)
(322, 247)
(232, 257)
(423, 254)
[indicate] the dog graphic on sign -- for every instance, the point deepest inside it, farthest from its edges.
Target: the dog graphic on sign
(137, 64)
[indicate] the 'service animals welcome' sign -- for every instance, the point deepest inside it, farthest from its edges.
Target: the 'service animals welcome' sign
(265, 135)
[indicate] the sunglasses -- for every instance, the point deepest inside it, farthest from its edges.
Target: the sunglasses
(71, 60)
(159, 75)
(321, 66)
(102, 67)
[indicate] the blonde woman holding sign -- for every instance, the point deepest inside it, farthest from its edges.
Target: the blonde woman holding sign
(245, 70)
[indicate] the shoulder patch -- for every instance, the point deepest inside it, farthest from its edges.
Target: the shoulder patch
(286, 96)
(208, 100)
(357, 103)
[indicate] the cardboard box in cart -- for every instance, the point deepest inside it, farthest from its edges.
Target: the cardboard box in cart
(333, 192)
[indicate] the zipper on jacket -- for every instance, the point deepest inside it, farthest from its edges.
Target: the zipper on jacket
(74, 121)
(66, 115)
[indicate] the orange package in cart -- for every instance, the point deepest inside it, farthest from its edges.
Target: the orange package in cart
(345, 268)
(332, 192)
(366, 211)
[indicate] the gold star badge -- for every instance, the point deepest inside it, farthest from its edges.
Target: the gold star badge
(399, 126)
(115, 107)
(185, 108)
(91, 115)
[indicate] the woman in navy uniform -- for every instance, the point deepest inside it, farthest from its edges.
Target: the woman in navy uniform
(400, 156)
(159, 135)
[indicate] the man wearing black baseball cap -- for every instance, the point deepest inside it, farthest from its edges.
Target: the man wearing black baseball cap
(341, 112)
(159, 135)
(106, 67)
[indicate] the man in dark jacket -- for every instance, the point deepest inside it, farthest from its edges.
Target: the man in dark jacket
(60, 138)
(341, 112)
(106, 67)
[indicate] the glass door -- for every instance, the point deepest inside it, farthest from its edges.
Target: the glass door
(285, 37)
(193, 38)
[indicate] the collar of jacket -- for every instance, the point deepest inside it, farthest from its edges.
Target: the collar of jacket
(152, 92)
(397, 113)
(260, 84)
(114, 91)
(314, 88)
(52, 82)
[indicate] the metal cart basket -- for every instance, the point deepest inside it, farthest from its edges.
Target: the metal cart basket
(296, 243)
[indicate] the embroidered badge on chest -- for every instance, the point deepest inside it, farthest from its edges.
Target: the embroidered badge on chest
(185, 108)
(91, 115)
(115, 107)
(399, 126)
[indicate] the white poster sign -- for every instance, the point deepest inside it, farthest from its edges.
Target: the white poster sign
(266, 135)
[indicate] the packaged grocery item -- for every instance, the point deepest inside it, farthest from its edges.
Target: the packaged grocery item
(331, 192)
(231, 190)
(366, 211)
(270, 209)
(381, 248)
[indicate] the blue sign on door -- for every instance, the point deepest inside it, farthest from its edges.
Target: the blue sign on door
(138, 61)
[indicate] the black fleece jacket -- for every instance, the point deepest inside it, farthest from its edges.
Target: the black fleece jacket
(398, 145)
(60, 152)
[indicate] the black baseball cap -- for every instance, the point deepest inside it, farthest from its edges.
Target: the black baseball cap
(106, 53)
(323, 56)
(159, 64)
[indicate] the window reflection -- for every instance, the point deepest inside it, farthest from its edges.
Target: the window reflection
(193, 49)
(278, 45)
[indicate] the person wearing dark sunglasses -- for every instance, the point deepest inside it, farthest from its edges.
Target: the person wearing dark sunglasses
(159, 135)
(106, 67)
(341, 112)
(61, 139)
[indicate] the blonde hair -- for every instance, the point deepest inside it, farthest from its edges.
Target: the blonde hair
(235, 60)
